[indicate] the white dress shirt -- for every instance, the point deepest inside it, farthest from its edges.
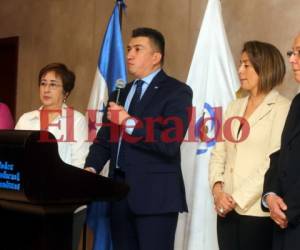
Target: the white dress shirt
(71, 152)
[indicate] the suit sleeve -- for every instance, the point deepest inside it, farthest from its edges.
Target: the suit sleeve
(100, 150)
(271, 175)
(169, 132)
(293, 203)
(271, 178)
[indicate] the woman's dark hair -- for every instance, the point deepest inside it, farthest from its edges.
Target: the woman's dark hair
(67, 76)
(267, 62)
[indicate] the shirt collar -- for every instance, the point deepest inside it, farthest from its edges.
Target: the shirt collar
(148, 79)
(36, 113)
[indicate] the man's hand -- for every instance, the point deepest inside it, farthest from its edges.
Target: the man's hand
(277, 207)
(116, 113)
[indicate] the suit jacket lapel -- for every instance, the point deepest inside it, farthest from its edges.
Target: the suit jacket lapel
(151, 91)
(292, 126)
(264, 109)
(240, 113)
(257, 115)
(124, 94)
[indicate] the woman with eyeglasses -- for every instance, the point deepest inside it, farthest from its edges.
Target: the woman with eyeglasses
(68, 126)
(237, 167)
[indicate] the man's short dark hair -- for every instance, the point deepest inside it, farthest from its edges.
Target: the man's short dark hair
(155, 36)
(67, 76)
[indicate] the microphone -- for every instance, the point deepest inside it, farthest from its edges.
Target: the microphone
(120, 84)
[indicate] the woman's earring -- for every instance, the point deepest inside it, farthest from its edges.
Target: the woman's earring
(66, 94)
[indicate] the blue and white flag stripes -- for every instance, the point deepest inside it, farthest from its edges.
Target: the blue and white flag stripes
(111, 67)
(111, 64)
(214, 81)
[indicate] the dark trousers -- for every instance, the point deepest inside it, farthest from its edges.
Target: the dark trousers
(132, 231)
(240, 232)
(286, 239)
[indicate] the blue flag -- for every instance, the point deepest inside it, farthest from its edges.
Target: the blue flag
(111, 67)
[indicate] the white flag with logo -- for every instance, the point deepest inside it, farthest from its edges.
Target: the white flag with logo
(214, 81)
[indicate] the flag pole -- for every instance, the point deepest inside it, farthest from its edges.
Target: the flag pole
(111, 67)
(121, 5)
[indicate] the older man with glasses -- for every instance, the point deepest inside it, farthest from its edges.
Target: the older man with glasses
(281, 195)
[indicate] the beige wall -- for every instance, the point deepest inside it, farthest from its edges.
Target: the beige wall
(71, 32)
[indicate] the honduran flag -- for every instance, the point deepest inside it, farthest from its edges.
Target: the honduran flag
(111, 63)
(111, 67)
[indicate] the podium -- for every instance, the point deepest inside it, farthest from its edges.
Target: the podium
(42, 199)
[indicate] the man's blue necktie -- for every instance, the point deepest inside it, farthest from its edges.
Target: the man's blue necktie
(136, 97)
(131, 111)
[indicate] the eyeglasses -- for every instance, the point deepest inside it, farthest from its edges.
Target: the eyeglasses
(293, 53)
(52, 85)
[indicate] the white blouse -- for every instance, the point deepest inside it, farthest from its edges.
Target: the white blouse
(72, 152)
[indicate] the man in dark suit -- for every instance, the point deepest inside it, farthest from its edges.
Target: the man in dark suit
(281, 195)
(152, 117)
